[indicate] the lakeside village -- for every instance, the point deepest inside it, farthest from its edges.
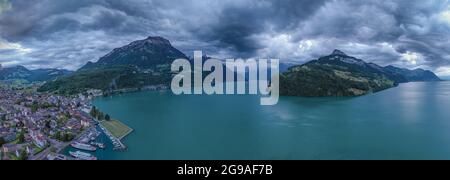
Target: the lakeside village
(40, 126)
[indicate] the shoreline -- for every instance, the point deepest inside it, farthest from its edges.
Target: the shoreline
(116, 141)
(153, 88)
(326, 117)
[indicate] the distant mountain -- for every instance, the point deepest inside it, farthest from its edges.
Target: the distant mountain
(137, 65)
(284, 67)
(17, 72)
(416, 75)
(22, 73)
(48, 74)
(147, 62)
(341, 75)
(333, 75)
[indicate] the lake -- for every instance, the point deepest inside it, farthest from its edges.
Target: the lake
(407, 122)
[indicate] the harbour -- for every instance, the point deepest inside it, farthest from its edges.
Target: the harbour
(116, 142)
(91, 145)
(104, 136)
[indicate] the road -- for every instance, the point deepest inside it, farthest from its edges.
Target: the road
(57, 145)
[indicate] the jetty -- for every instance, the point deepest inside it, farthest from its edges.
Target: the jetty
(115, 131)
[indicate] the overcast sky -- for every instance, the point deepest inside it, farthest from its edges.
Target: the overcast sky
(69, 33)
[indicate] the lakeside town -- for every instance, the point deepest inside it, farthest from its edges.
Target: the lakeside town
(40, 126)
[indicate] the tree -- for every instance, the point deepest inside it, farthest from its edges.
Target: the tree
(2, 141)
(35, 106)
(58, 135)
(93, 111)
(107, 117)
(21, 138)
(53, 150)
(67, 137)
(100, 116)
(68, 115)
(23, 155)
(48, 124)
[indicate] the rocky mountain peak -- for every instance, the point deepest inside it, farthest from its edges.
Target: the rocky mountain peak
(145, 53)
(338, 52)
(157, 40)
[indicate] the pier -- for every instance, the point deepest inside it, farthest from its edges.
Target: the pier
(114, 130)
(117, 143)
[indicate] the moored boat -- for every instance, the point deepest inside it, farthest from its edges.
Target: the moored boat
(82, 155)
(99, 145)
(83, 146)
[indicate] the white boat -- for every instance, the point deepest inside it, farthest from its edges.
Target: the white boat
(82, 155)
(84, 140)
(82, 146)
(99, 145)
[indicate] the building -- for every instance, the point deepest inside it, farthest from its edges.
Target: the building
(73, 124)
(95, 92)
(10, 148)
(38, 138)
(10, 136)
(85, 122)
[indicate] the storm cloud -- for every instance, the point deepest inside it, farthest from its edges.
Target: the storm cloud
(69, 33)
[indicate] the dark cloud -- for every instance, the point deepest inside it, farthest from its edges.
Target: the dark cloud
(67, 34)
(238, 25)
(407, 27)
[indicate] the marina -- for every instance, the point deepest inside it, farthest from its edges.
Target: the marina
(95, 142)
(90, 141)
(117, 143)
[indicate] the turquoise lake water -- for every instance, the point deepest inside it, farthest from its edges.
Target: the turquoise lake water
(407, 122)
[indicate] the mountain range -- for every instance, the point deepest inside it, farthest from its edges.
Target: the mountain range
(137, 65)
(341, 75)
(147, 62)
(22, 73)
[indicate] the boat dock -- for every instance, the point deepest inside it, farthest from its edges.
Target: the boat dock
(114, 130)
(117, 143)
